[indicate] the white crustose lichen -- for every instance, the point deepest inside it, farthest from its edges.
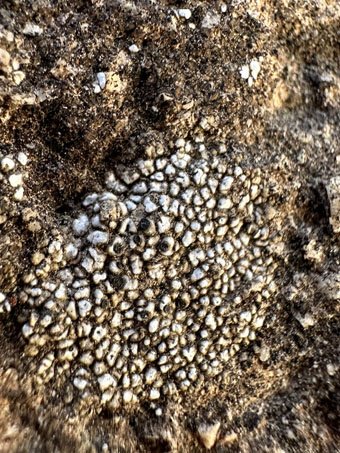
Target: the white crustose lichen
(156, 283)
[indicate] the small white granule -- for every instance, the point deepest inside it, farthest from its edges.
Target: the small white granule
(15, 180)
(244, 71)
(255, 68)
(133, 48)
(101, 78)
(185, 12)
(7, 164)
(22, 158)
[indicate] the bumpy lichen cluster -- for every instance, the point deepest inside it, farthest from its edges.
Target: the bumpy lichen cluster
(12, 193)
(158, 280)
(11, 180)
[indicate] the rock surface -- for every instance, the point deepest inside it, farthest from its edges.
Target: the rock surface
(169, 214)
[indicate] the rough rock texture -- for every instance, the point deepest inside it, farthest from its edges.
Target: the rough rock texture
(169, 214)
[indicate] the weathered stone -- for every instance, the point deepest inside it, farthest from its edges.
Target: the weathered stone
(245, 90)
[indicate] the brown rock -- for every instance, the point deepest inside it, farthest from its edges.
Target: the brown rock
(208, 434)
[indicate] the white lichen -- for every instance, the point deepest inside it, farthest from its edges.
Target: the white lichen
(152, 284)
